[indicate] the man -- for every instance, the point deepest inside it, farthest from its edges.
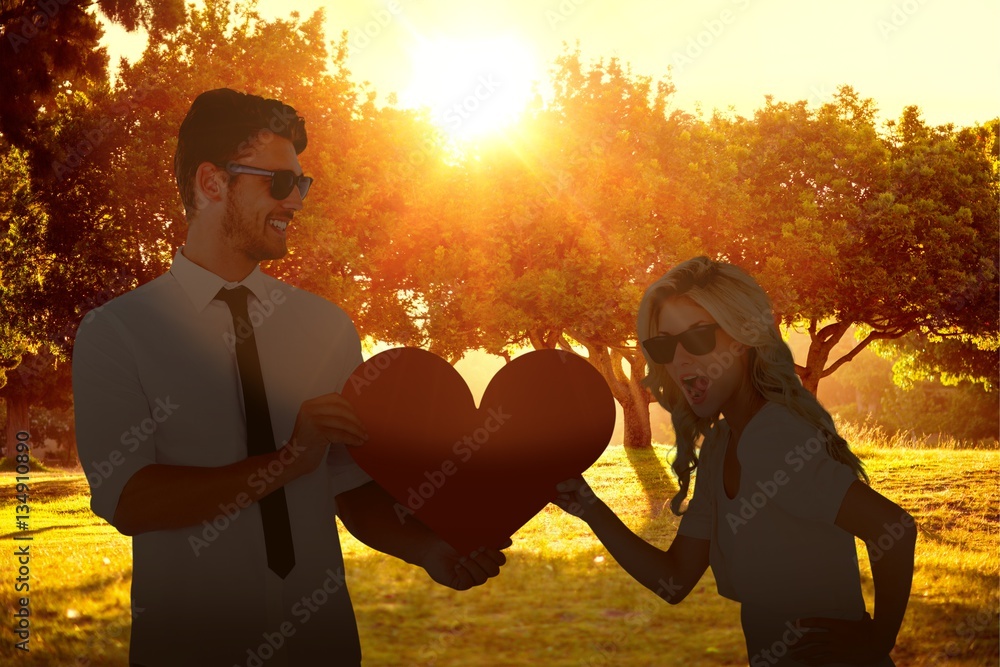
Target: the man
(211, 430)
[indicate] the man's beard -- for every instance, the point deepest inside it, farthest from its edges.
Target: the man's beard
(246, 234)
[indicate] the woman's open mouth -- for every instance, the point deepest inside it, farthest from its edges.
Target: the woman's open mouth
(695, 387)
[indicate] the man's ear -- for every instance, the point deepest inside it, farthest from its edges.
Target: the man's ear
(210, 183)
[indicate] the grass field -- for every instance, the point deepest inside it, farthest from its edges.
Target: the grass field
(561, 600)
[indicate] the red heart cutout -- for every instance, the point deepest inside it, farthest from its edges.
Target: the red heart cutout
(476, 475)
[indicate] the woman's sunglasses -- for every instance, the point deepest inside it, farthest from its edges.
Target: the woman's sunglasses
(282, 180)
(696, 340)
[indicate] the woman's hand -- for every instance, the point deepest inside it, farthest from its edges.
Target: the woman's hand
(839, 640)
(576, 497)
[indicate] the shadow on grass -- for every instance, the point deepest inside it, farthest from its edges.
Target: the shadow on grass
(100, 584)
(576, 611)
(560, 611)
(56, 489)
(38, 531)
(947, 632)
(657, 484)
(541, 610)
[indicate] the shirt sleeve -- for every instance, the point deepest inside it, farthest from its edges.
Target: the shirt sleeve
(110, 410)
(343, 473)
(789, 463)
(697, 519)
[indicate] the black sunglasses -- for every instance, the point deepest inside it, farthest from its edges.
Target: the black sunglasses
(696, 340)
(282, 180)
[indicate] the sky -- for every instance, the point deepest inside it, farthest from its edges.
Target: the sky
(473, 63)
(484, 56)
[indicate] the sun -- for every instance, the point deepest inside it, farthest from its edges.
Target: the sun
(472, 87)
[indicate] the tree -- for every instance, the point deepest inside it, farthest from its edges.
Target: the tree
(53, 47)
(550, 239)
(53, 99)
(948, 361)
(101, 213)
(960, 167)
(843, 226)
(39, 381)
(364, 158)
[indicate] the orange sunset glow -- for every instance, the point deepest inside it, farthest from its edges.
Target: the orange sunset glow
(438, 333)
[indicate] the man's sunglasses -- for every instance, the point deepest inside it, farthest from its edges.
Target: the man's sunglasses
(282, 180)
(696, 340)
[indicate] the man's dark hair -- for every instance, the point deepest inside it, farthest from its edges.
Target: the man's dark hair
(224, 125)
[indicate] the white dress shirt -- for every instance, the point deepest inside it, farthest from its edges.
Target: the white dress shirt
(155, 380)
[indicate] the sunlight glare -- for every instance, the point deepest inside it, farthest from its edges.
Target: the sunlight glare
(472, 87)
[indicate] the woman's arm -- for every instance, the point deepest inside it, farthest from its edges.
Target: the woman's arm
(891, 536)
(671, 574)
(369, 513)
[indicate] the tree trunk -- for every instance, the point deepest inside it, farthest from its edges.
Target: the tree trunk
(635, 400)
(626, 389)
(69, 454)
(638, 433)
(810, 379)
(821, 344)
(18, 419)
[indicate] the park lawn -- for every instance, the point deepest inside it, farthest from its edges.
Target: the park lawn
(561, 599)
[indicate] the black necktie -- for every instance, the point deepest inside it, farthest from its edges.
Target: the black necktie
(260, 436)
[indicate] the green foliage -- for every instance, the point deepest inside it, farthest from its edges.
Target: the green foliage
(547, 239)
(948, 360)
(892, 230)
(965, 411)
(871, 390)
(10, 463)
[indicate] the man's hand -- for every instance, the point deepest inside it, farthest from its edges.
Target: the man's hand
(448, 568)
(323, 420)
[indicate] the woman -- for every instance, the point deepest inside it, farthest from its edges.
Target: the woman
(779, 496)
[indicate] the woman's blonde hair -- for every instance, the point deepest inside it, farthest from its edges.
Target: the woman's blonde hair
(741, 307)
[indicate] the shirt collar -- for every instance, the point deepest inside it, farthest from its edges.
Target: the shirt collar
(201, 285)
